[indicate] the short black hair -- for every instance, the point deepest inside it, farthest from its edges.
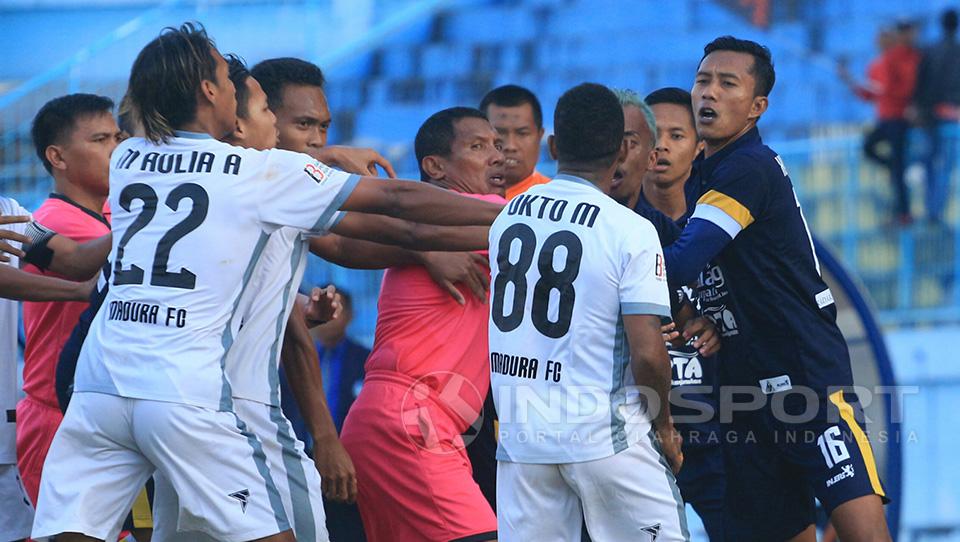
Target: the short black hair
(239, 74)
(166, 77)
(57, 118)
(949, 21)
(513, 96)
(275, 73)
(672, 95)
(436, 134)
(762, 69)
(588, 124)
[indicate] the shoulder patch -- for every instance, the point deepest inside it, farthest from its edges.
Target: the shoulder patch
(317, 171)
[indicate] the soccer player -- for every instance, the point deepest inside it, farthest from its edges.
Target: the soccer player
(788, 346)
(294, 89)
(151, 392)
(579, 288)
(516, 115)
(74, 136)
(702, 479)
(427, 374)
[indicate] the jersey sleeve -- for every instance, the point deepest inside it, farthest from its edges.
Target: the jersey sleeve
(643, 279)
(300, 192)
(735, 198)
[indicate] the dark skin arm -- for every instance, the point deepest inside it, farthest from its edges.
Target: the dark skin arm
(707, 340)
(338, 475)
(419, 202)
(22, 286)
(651, 370)
(78, 261)
(411, 235)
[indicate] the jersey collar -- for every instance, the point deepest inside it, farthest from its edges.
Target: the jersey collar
(703, 167)
(191, 135)
(575, 179)
(94, 214)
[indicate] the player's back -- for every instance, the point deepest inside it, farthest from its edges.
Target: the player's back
(564, 256)
(191, 218)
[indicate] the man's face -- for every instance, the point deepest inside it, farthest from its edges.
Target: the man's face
(723, 100)
(86, 152)
(629, 175)
(225, 102)
(677, 144)
(260, 127)
(303, 118)
(520, 137)
(475, 164)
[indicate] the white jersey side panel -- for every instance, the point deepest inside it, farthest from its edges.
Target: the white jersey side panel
(8, 348)
(191, 218)
(567, 262)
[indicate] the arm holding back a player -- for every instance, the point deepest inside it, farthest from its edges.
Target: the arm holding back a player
(22, 286)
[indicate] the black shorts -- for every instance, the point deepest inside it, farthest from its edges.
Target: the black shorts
(776, 468)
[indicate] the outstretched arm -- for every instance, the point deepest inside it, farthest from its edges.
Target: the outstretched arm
(22, 286)
(412, 235)
(419, 202)
(62, 255)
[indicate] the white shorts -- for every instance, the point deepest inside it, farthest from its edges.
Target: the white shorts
(108, 446)
(16, 512)
(294, 473)
(628, 496)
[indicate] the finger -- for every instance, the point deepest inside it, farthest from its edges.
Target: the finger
(326, 486)
(343, 492)
(14, 236)
(479, 259)
(14, 219)
(352, 489)
(474, 281)
(481, 269)
(454, 292)
(4, 259)
(315, 294)
(668, 328)
(4, 247)
(387, 166)
(672, 336)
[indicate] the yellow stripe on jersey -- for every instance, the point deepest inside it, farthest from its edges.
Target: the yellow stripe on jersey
(142, 516)
(846, 412)
(728, 205)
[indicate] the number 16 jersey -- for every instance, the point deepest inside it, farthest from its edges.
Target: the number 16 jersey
(191, 218)
(567, 263)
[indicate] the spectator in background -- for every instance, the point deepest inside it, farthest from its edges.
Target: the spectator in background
(891, 78)
(516, 115)
(937, 101)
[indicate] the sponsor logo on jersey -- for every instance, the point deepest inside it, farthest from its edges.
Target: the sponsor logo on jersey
(242, 497)
(845, 472)
(776, 384)
(687, 368)
(824, 298)
(659, 268)
(317, 171)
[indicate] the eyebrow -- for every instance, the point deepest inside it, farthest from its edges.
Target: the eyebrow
(631, 133)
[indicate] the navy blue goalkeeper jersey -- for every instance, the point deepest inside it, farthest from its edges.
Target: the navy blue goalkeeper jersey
(777, 315)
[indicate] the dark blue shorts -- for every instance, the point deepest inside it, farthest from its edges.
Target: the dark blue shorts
(776, 468)
(702, 483)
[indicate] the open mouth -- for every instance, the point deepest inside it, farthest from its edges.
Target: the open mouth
(496, 180)
(511, 162)
(707, 115)
(662, 165)
(617, 178)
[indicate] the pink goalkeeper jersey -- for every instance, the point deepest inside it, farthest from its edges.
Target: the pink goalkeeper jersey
(49, 324)
(424, 334)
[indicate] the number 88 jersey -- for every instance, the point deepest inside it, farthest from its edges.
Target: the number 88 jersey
(567, 263)
(191, 218)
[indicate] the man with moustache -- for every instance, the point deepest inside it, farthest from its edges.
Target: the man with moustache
(748, 220)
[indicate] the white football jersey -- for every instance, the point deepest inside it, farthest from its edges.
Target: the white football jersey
(567, 262)
(8, 348)
(253, 362)
(191, 218)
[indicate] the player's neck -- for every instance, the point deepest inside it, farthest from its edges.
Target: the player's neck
(204, 123)
(81, 197)
(600, 179)
(714, 146)
(669, 199)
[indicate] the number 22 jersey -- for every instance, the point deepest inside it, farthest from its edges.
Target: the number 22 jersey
(191, 218)
(567, 263)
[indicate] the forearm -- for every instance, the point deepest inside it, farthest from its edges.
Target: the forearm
(22, 286)
(360, 254)
(78, 261)
(412, 235)
(649, 361)
(699, 243)
(420, 202)
(303, 375)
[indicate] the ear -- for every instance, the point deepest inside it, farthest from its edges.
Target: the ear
(701, 144)
(208, 90)
(433, 167)
(552, 145)
(652, 159)
(758, 107)
(54, 155)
